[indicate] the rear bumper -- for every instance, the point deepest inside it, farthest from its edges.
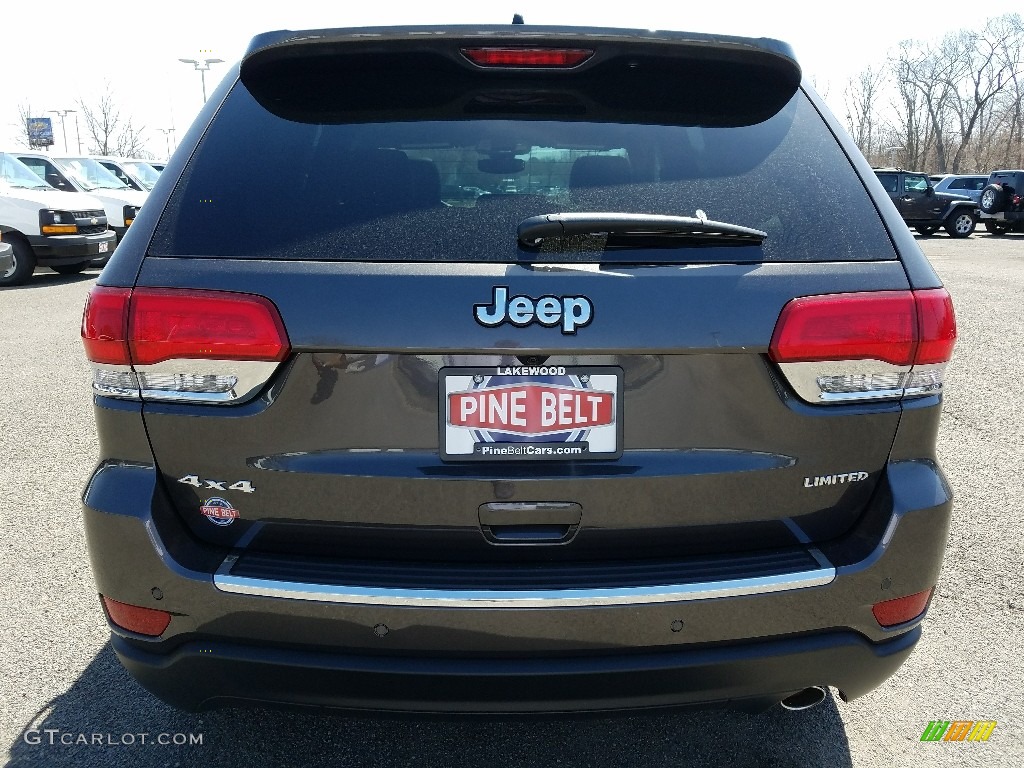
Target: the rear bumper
(198, 676)
(363, 651)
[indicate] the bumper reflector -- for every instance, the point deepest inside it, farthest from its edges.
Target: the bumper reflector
(889, 613)
(135, 618)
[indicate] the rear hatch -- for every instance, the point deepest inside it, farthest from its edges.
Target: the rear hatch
(462, 375)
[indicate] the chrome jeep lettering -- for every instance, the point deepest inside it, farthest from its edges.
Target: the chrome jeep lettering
(838, 479)
(571, 312)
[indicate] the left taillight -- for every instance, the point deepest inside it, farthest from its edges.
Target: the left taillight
(180, 344)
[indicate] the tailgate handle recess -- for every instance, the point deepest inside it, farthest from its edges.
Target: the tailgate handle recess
(530, 522)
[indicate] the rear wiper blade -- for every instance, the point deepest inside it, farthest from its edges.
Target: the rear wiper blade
(534, 230)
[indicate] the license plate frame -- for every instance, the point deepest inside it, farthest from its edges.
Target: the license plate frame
(594, 440)
(103, 247)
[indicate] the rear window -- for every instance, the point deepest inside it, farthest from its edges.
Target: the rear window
(1007, 178)
(263, 186)
(973, 183)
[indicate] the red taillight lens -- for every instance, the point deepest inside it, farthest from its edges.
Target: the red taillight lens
(167, 324)
(527, 57)
(105, 325)
(901, 610)
(197, 346)
(135, 618)
(847, 326)
(897, 327)
(937, 326)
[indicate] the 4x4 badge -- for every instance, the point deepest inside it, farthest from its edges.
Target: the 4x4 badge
(571, 312)
(218, 485)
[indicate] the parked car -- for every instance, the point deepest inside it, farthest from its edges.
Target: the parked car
(664, 436)
(968, 185)
(43, 227)
(924, 208)
(1002, 202)
(137, 174)
(83, 174)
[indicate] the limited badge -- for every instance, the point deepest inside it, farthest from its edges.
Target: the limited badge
(219, 511)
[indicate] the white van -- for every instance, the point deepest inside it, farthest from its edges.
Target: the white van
(137, 174)
(83, 174)
(65, 231)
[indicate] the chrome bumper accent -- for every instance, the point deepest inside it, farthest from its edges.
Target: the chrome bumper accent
(534, 598)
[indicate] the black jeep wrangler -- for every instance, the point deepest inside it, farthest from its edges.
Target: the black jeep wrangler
(1002, 202)
(923, 208)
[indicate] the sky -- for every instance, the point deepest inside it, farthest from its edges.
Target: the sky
(52, 55)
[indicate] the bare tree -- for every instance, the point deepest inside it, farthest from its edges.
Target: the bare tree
(912, 130)
(988, 74)
(110, 133)
(957, 101)
(862, 95)
(1013, 118)
(930, 72)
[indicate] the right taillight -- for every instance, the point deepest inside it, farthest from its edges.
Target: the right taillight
(183, 345)
(872, 345)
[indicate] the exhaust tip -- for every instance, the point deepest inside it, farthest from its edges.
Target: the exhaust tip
(805, 699)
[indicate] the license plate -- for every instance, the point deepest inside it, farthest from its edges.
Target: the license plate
(103, 247)
(518, 413)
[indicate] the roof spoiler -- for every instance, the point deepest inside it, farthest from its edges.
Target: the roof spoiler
(356, 75)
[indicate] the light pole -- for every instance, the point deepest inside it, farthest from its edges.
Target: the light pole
(64, 113)
(202, 65)
(167, 140)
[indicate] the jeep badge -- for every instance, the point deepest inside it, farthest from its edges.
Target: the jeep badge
(571, 312)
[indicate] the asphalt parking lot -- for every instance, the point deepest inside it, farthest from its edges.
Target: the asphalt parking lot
(61, 686)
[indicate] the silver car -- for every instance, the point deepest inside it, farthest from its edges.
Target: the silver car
(968, 185)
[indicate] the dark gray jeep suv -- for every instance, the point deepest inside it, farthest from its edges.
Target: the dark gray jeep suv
(925, 208)
(1002, 202)
(504, 369)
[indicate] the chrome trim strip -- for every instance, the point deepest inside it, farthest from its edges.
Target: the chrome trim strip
(849, 397)
(536, 598)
